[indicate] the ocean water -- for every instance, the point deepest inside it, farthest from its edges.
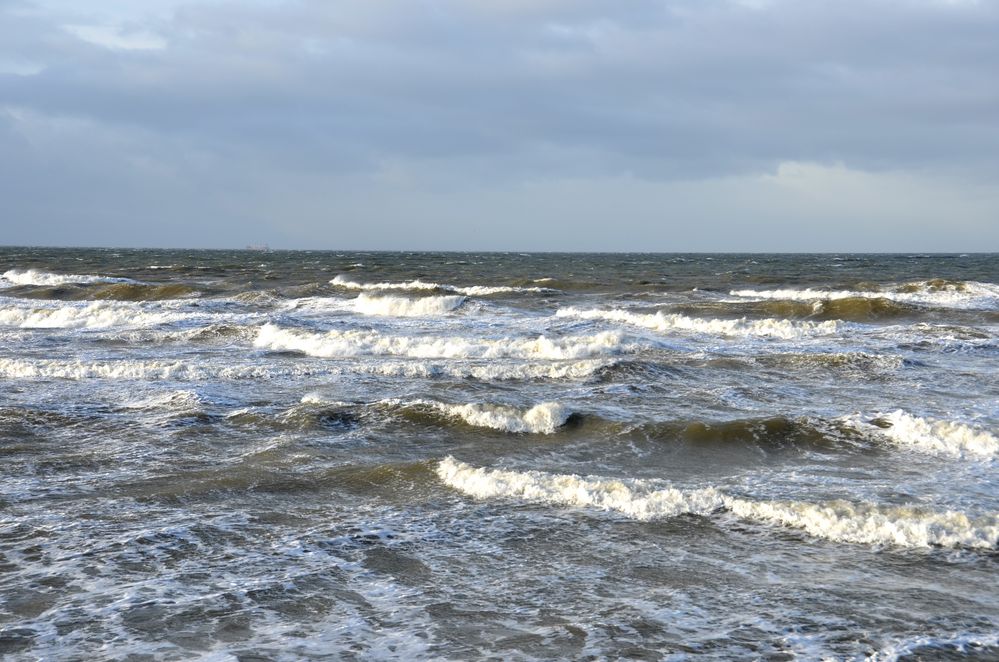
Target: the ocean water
(317, 455)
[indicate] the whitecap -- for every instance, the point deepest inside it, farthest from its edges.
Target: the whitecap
(966, 294)
(840, 521)
(35, 277)
(149, 370)
(772, 328)
(99, 314)
(543, 418)
(929, 435)
(406, 307)
(360, 343)
(418, 285)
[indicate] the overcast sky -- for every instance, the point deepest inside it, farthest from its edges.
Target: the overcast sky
(700, 125)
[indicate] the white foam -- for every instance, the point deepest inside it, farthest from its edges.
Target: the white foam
(930, 435)
(772, 328)
(181, 371)
(471, 290)
(410, 285)
(486, 290)
(406, 307)
(98, 314)
(35, 277)
(128, 370)
(360, 343)
(543, 418)
(839, 521)
(968, 294)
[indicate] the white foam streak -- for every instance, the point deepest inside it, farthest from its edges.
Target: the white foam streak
(544, 418)
(840, 521)
(35, 277)
(417, 285)
(406, 307)
(969, 294)
(930, 435)
(772, 328)
(360, 343)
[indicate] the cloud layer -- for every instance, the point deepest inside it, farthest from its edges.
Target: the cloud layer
(509, 125)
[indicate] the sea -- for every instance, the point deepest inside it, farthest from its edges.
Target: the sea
(307, 455)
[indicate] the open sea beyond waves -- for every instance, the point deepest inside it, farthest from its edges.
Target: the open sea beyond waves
(307, 455)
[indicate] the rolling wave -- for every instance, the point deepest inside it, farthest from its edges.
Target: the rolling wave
(770, 328)
(929, 435)
(839, 521)
(850, 309)
(417, 285)
(186, 371)
(937, 293)
(371, 343)
(543, 418)
(95, 315)
(35, 277)
(406, 307)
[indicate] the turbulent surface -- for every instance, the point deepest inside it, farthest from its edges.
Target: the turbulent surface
(307, 455)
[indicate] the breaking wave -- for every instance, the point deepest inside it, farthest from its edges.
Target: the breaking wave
(840, 521)
(852, 309)
(360, 343)
(405, 307)
(543, 418)
(35, 277)
(771, 328)
(418, 285)
(183, 371)
(94, 315)
(930, 435)
(937, 292)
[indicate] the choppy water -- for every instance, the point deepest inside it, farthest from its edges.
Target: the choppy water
(315, 455)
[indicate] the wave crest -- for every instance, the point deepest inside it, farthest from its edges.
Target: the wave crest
(405, 307)
(95, 315)
(543, 418)
(935, 292)
(930, 435)
(420, 285)
(772, 328)
(36, 277)
(840, 521)
(359, 343)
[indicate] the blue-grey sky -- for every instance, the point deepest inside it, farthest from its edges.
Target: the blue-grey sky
(667, 125)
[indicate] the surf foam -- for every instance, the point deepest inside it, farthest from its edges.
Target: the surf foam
(772, 328)
(840, 521)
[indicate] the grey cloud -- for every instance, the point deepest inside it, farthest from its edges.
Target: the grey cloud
(718, 85)
(468, 95)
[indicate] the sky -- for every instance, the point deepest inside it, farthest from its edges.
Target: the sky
(533, 125)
